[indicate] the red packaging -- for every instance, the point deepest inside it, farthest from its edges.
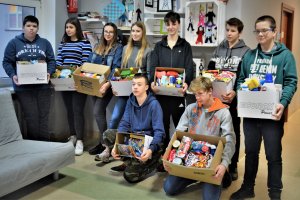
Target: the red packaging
(172, 155)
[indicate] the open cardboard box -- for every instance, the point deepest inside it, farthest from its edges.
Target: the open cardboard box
(32, 73)
(200, 174)
(90, 85)
(64, 84)
(257, 104)
(120, 138)
(123, 87)
(169, 91)
(222, 88)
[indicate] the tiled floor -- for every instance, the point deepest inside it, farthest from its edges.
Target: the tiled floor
(87, 179)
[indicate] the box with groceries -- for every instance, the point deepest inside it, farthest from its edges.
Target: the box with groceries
(169, 81)
(194, 156)
(32, 72)
(90, 77)
(121, 82)
(62, 79)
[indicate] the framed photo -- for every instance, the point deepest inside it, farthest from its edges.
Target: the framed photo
(149, 3)
(164, 5)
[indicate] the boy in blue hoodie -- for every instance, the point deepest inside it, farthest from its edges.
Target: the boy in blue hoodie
(142, 115)
(275, 58)
(34, 98)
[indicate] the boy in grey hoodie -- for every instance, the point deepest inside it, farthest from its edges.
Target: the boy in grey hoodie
(228, 57)
(207, 116)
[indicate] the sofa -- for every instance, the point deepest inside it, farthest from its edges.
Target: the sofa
(22, 161)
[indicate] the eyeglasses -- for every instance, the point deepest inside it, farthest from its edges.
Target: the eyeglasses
(263, 31)
(108, 32)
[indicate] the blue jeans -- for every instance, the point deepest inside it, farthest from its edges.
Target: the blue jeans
(35, 105)
(74, 102)
(271, 132)
(118, 112)
(100, 105)
(174, 185)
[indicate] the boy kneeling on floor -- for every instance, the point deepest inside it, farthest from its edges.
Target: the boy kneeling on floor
(143, 115)
(207, 116)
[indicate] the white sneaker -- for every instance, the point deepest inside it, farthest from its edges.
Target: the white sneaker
(72, 139)
(79, 148)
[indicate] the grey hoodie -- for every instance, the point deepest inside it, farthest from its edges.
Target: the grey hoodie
(216, 121)
(225, 58)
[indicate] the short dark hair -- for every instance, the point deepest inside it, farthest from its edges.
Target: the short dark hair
(142, 75)
(235, 22)
(172, 16)
(30, 18)
(267, 18)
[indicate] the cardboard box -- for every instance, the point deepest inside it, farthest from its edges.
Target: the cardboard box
(257, 104)
(32, 73)
(89, 85)
(222, 88)
(126, 150)
(64, 84)
(169, 91)
(200, 174)
(123, 88)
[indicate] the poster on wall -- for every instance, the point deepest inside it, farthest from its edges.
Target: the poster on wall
(164, 5)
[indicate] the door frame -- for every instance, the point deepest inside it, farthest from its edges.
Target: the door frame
(285, 8)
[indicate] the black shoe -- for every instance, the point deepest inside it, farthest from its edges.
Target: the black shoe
(96, 149)
(234, 174)
(226, 182)
(242, 193)
(275, 194)
(119, 168)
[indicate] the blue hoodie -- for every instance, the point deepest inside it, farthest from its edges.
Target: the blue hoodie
(146, 119)
(21, 49)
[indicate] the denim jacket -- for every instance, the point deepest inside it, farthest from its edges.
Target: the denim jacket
(112, 59)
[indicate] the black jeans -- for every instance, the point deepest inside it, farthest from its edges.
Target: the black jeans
(75, 102)
(271, 132)
(236, 121)
(171, 106)
(35, 105)
(100, 105)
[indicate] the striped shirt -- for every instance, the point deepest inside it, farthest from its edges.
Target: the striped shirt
(73, 53)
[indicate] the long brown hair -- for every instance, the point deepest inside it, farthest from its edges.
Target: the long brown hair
(103, 48)
(144, 45)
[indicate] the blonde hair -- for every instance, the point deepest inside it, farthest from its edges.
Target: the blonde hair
(103, 48)
(144, 45)
(201, 83)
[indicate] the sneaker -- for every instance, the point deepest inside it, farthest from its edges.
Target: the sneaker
(72, 139)
(96, 149)
(79, 148)
(119, 168)
(242, 193)
(234, 174)
(104, 156)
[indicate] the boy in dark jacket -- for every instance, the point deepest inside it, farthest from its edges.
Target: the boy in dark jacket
(228, 57)
(34, 98)
(142, 115)
(172, 51)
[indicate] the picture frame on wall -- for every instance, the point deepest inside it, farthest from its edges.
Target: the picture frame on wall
(149, 3)
(164, 5)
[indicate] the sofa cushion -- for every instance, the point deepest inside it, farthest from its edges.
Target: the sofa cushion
(25, 161)
(9, 126)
